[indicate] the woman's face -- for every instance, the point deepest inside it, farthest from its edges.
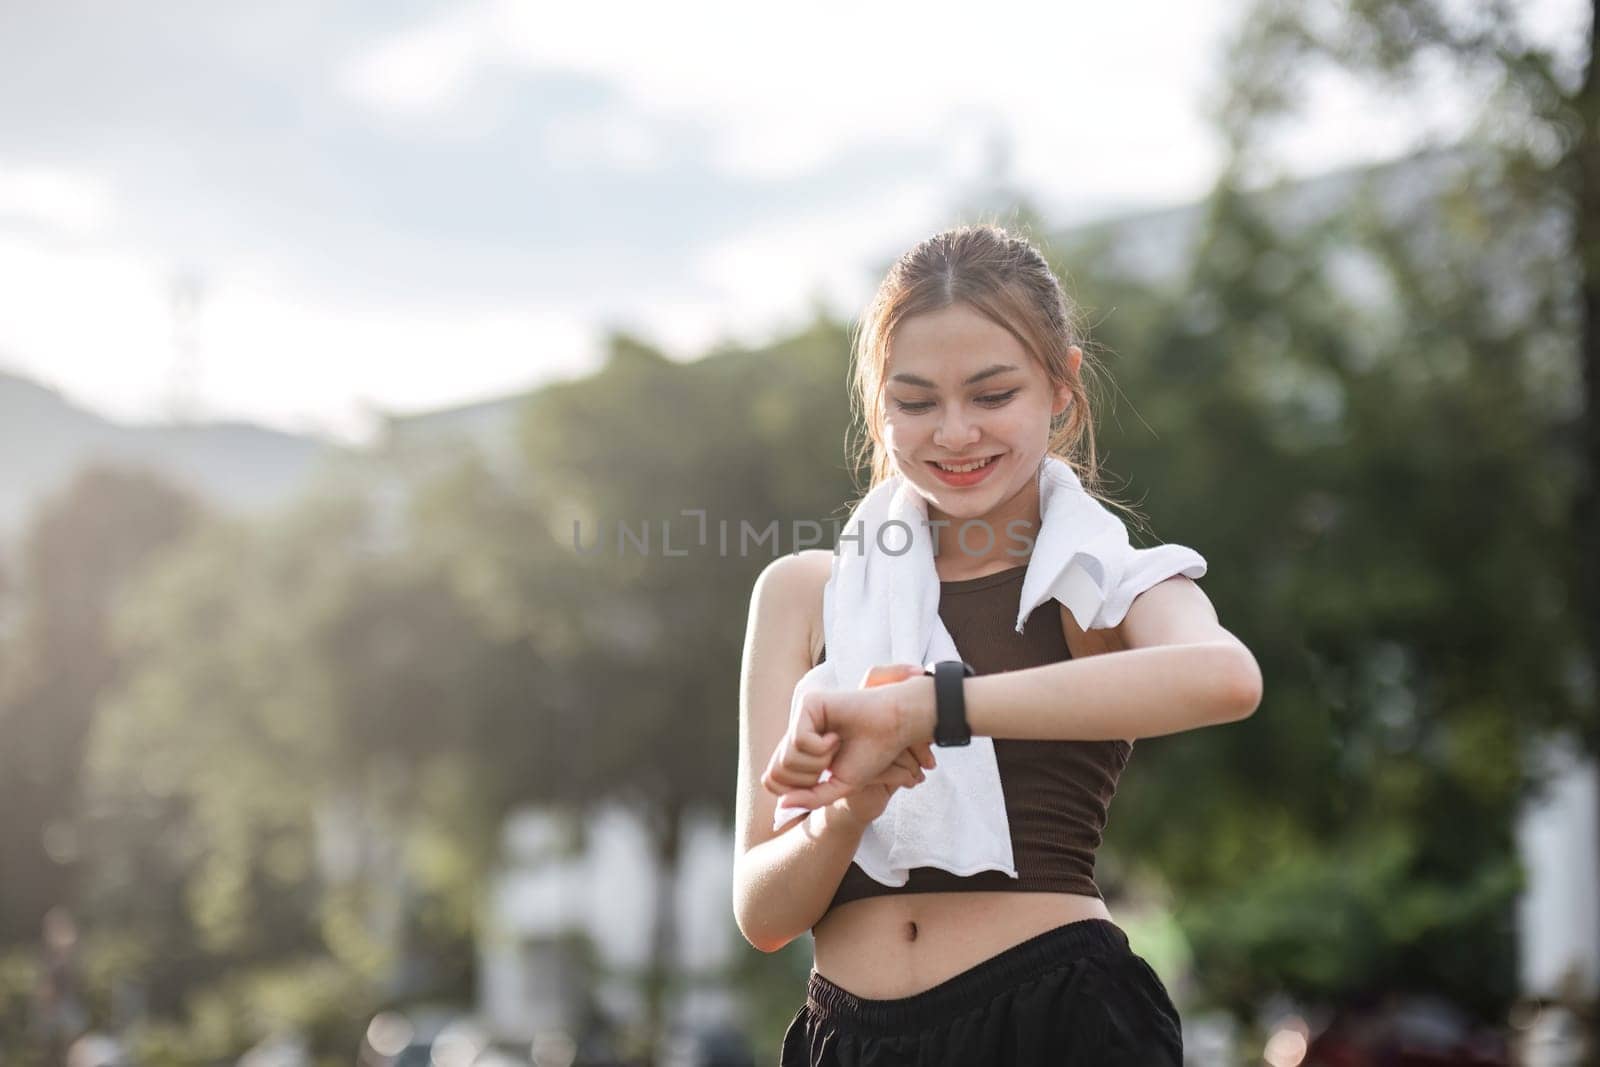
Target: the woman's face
(959, 389)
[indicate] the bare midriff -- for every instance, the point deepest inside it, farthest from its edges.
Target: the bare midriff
(894, 946)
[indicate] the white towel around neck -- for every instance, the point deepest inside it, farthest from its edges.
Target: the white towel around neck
(881, 606)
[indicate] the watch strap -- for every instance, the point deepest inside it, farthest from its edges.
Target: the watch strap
(950, 728)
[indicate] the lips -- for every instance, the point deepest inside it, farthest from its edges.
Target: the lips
(962, 478)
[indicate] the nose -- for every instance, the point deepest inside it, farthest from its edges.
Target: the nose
(955, 431)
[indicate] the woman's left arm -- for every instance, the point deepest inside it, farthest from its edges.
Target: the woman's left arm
(1173, 668)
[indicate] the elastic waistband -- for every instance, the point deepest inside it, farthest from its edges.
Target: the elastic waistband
(976, 985)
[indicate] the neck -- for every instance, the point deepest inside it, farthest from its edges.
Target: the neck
(1010, 547)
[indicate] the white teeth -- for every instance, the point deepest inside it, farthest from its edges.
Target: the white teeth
(965, 467)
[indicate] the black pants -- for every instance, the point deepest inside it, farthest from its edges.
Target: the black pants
(1075, 995)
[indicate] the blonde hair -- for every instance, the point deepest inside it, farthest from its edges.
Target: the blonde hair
(1005, 278)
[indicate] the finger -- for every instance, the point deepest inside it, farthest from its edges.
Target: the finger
(779, 774)
(778, 763)
(788, 778)
(799, 761)
(903, 772)
(900, 763)
(923, 750)
(780, 783)
(813, 745)
(813, 718)
(889, 673)
(897, 778)
(908, 763)
(824, 793)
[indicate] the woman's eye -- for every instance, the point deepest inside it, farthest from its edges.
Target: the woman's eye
(917, 407)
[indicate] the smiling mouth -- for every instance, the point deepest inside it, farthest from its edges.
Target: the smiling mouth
(963, 468)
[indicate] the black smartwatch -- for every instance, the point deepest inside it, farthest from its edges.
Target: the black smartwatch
(950, 702)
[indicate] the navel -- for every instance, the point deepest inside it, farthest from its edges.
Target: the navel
(911, 931)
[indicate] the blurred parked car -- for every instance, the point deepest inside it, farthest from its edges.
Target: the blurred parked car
(1422, 1031)
(717, 1046)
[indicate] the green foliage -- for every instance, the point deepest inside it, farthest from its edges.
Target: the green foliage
(1377, 408)
(1359, 917)
(20, 975)
(83, 549)
(287, 773)
(774, 985)
(1385, 518)
(314, 997)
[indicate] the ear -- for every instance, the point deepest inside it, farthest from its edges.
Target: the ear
(1063, 393)
(1061, 400)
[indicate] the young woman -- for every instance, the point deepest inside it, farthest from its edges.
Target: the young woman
(969, 355)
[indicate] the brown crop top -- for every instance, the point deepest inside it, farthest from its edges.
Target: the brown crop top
(1057, 793)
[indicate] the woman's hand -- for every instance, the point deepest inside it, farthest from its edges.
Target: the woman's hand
(866, 803)
(857, 737)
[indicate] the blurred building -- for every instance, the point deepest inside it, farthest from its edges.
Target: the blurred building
(1558, 916)
(571, 913)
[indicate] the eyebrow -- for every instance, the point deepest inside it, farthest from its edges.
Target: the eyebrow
(987, 372)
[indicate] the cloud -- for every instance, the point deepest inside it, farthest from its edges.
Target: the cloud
(103, 326)
(421, 72)
(610, 138)
(418, 208)
(780, 93)
(770, 271)
(65, 200)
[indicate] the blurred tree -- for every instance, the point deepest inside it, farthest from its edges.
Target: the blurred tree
(1413, 635)
(1536, 170)
(79, 553)
(645, 642)
(1375, 397)
(208, 764)
(302, 766)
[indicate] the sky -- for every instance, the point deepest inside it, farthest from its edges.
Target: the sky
(305, 215)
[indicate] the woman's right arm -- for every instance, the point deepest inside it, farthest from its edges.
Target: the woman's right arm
(782, 879)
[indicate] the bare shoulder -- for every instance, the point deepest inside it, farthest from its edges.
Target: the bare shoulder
(791, 586)
(1172, 612)
(796, 574)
